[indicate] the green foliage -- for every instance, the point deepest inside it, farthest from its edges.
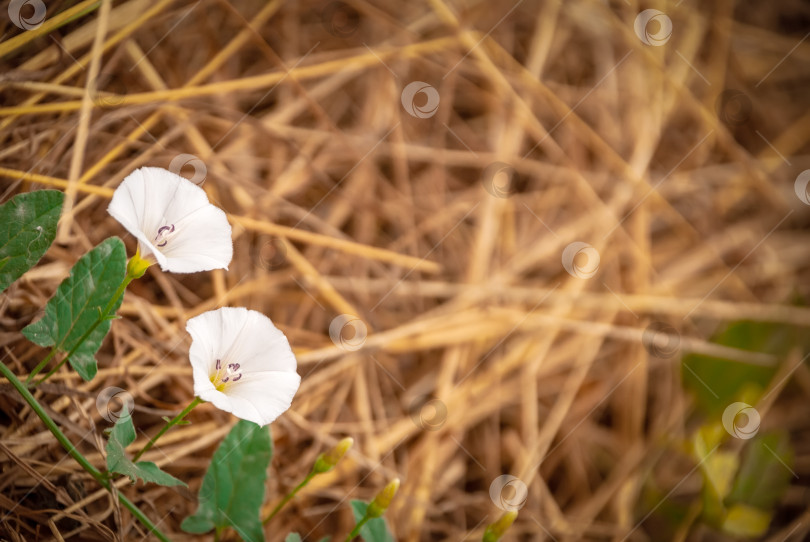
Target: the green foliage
(27, 229)
(765, 473)
(121, 436)
(740, 486)
(232, 491)
(71, 318)
(746, 521)
(376, 530)
(718, 382)
(295, 537)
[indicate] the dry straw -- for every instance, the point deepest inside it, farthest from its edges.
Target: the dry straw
(469, 347)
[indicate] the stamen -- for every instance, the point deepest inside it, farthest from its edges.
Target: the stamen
(163, 231)
(221, 377)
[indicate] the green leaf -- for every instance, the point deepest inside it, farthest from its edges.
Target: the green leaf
(718, 382)
(121, 436)
(765, 473)
(293, 537)
(376, 530)
(74, 309)
(232, 491)
(746, 521)
(27, 229)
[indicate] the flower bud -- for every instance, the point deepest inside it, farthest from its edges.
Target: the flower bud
(383, 499)
(327, 460)
(137, 266)
(495, 531)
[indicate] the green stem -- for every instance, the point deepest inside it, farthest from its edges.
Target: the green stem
(119, 292)
(289, 496)
(356, 530)
(77, 455)
(41, 365)
(171, 423)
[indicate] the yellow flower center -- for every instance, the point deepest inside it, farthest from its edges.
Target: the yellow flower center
(225, 374)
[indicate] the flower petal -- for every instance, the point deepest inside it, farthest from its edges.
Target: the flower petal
(267, 365)
(202, 242)
(150, 198)
(261, 346)
(212, 335)
(261, 398)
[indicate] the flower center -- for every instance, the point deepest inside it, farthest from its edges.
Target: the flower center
(163, 235)
(223, 375)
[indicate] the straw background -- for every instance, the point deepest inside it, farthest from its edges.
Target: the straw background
(483, 355)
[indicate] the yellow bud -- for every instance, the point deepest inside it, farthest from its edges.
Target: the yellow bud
(327, 461)
(495, 531)
(383, 499)
(137, 266)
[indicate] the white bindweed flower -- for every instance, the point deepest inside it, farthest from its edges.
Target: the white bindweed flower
(173, 221)
(242, 363)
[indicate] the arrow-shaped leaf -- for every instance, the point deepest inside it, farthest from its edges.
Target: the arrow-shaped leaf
(121, 436)
(73, 311)
(232, 491)
(27, 229)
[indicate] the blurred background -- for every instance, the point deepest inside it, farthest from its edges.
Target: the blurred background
(535, 255)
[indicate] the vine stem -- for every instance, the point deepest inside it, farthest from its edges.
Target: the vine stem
(289, 496)
(171, 423)
(76, 454)
(356, 530)
(135, 269)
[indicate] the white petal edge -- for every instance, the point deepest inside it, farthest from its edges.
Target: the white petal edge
(150, 197)
(260, 399)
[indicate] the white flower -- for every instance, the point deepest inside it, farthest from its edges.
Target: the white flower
(242, 363)
(173, 221)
